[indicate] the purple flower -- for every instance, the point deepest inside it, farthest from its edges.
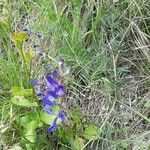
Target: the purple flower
(49, 100)
(28, 31)
(25, 30)
(55, 74)
(52, 93)
(52, 127)
(60, 90)
(34, 82)
(61, 115)
(39, 36)
(47, 108)
(49, 92)
(41, 93)
(51, 83)
(41, 53)
(35, 46)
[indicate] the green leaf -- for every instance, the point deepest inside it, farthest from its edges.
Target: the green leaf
(28, 117)
(91, 132)
(21, 101)
(30, 123)
(24, 120)
(29, 131)
(18, 91)
(47, 118)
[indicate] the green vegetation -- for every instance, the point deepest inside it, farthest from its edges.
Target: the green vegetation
(107, 98)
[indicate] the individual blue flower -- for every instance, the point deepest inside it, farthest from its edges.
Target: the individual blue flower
(52, 93)
(52, 127)
(28, 31)
(35, 46)
(34, 82)
(49, 100)
(40, 93)
(40, 37)
(60, 90)
(25, 30)
(61, 115)
(47, 108)
(55, 74)
(51, 83)
(41, 53)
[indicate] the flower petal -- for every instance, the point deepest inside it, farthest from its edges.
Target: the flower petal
(41, 53)
(48, 100)
(52, 93)
(55, 74)
(61, 114)
(51, 82)
(48, 109)
(40, 93)
(52, 127)
(60, 90)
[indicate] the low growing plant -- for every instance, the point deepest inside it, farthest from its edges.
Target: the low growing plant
(42, 101)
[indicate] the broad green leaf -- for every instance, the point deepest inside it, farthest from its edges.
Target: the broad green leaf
(19, 37)
(91, 132)
(24, 120)
(28, 117)
(47, 118)
(18, 91)
(21, 101)
(29, 131)
(30, 122)
(78, 143)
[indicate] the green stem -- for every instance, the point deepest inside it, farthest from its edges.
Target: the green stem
(20, 48)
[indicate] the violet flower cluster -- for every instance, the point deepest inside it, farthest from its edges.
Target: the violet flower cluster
(38, 39)
(50, 91)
